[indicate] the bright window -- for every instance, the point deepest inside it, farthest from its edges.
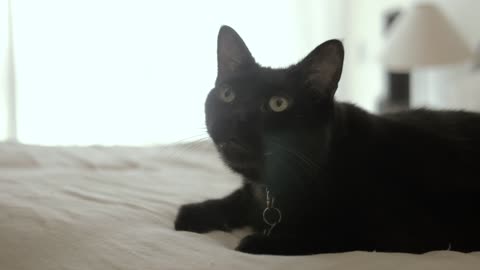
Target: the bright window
(137, 71)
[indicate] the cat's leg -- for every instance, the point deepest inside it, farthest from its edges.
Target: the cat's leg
(258, 243)
(279, 244)
(230, 212)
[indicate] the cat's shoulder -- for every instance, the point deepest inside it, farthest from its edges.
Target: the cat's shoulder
(446, 122)
(428, 115)
(449, 123)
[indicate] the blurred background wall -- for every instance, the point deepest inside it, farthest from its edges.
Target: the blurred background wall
(365, 74)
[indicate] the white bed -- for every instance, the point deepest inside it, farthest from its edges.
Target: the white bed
(113, 208)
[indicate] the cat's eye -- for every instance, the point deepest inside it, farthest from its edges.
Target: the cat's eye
(227, 95)
(278, 104)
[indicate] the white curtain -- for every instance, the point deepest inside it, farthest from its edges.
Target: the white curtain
(3, 68)
(137, 71)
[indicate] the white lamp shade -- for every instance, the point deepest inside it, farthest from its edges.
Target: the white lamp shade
(421, 37)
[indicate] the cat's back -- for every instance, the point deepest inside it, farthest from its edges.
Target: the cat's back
(444, 144)
(452, 124)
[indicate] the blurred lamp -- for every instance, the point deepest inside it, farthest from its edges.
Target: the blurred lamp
(423, 37)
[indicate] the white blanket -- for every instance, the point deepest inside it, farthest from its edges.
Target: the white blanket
(113, 208)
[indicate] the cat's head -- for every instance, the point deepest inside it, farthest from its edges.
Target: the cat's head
(255, 109)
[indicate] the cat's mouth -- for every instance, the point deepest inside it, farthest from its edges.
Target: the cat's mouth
(237, 154)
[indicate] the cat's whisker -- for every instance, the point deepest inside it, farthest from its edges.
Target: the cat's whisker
(295, 171)
(195, 144)
(306, 165)
(186, 145)
(303, 164)
(176, 155)
(188, 139)
(299, 155)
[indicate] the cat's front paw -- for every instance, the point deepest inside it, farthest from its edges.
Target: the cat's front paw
(255, 244)
(200, 218)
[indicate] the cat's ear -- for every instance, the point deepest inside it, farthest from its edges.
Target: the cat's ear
(322, 68)
(232, 53)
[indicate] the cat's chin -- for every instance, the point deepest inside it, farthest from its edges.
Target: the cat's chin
(247, 167)
(247, 170)
(246, 164)
(237, 155)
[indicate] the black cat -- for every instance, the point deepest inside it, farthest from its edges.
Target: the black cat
(342, 179)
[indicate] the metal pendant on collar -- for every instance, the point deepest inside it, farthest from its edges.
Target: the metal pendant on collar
(271, 215)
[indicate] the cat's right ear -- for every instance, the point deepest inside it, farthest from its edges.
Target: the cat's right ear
(322, 68)
(232, 53)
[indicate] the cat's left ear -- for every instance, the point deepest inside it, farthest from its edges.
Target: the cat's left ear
(322, 68)
(232, 53)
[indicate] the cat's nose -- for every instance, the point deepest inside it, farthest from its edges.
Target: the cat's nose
(240, 126)
(240, 116)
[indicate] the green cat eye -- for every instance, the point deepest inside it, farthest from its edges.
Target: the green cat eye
(278, 104)
(227, 95)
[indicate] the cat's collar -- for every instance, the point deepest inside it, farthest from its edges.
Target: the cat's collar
(272, 216)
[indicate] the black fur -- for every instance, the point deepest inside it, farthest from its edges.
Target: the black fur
(343, 178)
